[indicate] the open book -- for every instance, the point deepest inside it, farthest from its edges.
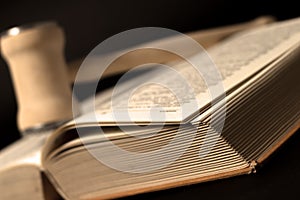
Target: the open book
(259, 69)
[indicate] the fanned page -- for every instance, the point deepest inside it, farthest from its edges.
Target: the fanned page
(265, 112)
(237, 59)
(79, 175)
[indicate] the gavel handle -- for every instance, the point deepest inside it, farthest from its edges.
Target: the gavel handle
(37, 65)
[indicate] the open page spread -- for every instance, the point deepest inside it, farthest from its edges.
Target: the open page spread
(236, 59)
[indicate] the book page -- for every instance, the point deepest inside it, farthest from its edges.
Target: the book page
(237, 59)
(26, 151)
(206, 38)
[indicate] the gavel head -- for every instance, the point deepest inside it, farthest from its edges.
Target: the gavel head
(35, 56)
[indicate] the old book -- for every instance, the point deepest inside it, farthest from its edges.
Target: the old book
(259, 69)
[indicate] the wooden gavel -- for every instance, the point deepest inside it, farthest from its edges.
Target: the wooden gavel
(38, 68)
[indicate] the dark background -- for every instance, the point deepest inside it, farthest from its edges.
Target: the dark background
(87, 23)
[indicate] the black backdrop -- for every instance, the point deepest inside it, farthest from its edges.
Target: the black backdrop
(87, 23)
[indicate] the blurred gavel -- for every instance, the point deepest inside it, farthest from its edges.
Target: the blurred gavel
(36, 61)
(35, 55)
